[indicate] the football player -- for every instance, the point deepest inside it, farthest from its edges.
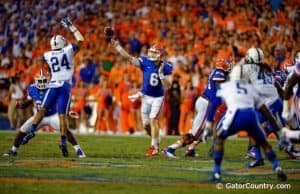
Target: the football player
(156, 79)
(206, 106)
(60, 62)
(36, 95)
(261, 77)
(293, 110)
(241, 115)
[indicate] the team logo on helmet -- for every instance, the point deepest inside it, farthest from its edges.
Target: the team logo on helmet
(224, 62)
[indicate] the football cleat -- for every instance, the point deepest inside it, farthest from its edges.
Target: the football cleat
(26, 139)
(169, 152)
(153, 151)
(63, 148)
(190, 153)
(216, 177)
(80, 153)
(250, 154)
(280, 174)
(255, 163)
(288, 147)
(10, 153)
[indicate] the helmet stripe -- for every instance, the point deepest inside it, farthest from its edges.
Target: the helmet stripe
(258, 54)
(55, 40)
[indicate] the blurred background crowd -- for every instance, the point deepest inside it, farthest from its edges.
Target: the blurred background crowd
(192, 31)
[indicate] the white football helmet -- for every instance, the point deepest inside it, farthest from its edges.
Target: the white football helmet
(254, 55)
(57, 42)
(41, 80)
(238, 73)
(297, 58)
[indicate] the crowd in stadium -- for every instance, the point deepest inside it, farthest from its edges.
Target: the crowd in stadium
(193, 33)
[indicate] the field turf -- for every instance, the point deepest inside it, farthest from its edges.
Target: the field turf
(116, 164)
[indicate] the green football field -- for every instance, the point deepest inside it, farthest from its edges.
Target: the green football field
(116, 164)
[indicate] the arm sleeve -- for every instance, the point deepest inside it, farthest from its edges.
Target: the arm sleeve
(136, 61)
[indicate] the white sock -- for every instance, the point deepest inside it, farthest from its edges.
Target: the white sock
(14, 148)
(154, 142)
(293, 135)
(176, 145)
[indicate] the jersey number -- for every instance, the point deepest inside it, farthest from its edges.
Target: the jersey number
(240, 89)
(265, 76)
(154, 81)
(56, 65)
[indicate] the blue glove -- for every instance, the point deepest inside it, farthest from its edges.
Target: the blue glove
(68, 24)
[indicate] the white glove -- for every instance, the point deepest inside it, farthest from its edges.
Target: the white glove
(206, 133)
(161, 71)
(286, 114)
(134, 97)
(68, 24)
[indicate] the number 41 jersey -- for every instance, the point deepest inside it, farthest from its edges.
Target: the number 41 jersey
(61, 64)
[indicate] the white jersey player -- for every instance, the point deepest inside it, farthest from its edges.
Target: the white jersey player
(241, 115)
(261, 77)
(60, 62)
(156, 73)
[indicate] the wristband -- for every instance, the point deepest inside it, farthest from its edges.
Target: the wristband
(73, 28)
(118, 48)
(78, 36)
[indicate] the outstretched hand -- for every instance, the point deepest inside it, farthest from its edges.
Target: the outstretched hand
(114, 43)
(66, 22)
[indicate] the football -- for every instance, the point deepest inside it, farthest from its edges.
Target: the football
(109, 31)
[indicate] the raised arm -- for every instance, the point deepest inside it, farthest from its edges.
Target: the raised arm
(116, 45)
(78, 36)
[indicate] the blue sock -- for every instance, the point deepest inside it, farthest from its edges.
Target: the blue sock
(171, 150)
(273, 159)
(218, 157)
(32, 128)
(63, 140)
(256, 150)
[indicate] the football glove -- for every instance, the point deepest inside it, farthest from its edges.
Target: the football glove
(286, 113)
(65, 22)
(206, 133)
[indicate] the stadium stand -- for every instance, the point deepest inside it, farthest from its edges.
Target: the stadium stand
(194, 32)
